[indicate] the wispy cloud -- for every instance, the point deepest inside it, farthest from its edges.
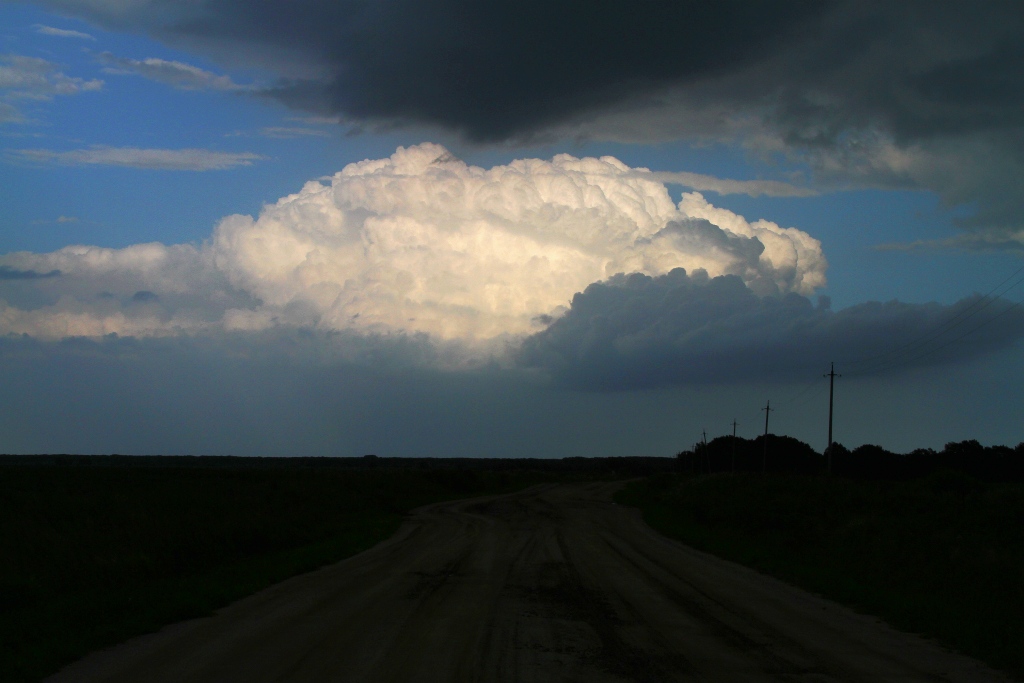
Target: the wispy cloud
(318, 120)
(10, 114)
(175, 74)
(707, 183)
(134, 157)
(982, 241)
(58, 220)
(61, 33)
(290, 132)
(282, 132)
(24, 77)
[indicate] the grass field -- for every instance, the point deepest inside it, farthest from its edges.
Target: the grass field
(941, 556)
(95, 551)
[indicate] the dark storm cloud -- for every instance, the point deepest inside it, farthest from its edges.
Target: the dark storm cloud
(912, 94)
(491, 70)
(499, 69)
(495, 70)
(637, 331)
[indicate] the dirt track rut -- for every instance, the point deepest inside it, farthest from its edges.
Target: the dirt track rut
(556, 583)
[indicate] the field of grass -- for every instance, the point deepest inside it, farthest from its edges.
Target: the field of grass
(942, 555)
(96, 550)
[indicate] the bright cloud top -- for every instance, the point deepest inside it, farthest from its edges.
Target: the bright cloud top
(417, 243)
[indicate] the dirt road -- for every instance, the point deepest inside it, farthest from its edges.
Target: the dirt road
(553, 584)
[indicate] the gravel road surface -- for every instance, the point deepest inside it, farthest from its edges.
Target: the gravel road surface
(556, 583)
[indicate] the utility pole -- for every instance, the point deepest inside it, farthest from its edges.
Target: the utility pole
(734, 423)
(831, 386)
(704, 440)
(764, 457)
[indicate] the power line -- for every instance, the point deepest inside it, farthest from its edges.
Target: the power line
(928, 352)
(977, 306)
(908, 352)
(818, 387)
(925, 338)
(793, 400)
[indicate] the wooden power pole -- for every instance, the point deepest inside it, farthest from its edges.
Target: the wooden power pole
(831, 387)
(734, 423)
(704, 440)
(764, 456)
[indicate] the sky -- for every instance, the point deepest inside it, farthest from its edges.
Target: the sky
(441, 228)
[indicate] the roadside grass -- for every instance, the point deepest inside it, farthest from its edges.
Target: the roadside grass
(942, 556)
(91, 556)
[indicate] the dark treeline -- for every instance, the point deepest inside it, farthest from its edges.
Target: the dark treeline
(629, 466)
(786, 455)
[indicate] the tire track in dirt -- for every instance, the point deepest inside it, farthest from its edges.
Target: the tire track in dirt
(555, 583)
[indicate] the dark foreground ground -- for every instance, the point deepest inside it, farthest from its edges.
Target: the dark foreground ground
(557, 583)
(95, 550)
(941, 555)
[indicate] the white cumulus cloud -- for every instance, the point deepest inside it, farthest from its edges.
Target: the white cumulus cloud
(419, 243)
